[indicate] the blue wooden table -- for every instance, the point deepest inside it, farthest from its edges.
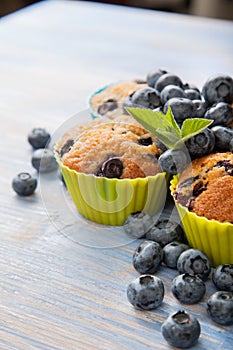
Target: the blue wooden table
(63, 280)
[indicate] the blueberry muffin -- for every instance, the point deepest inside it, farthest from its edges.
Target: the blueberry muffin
(110, 149)
(108, 101)
(206, 187)
(111, 170)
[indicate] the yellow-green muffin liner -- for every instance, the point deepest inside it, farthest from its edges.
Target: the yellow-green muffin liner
(111, 201)
(214, 238)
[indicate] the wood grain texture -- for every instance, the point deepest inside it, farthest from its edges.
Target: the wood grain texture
(56, 294)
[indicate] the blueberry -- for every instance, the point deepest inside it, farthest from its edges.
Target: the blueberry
(66, 147)
(38, 138)
(182, 108)
(107, 106)
(218, 89)
(24, 184)
(146, 292)
(222, 277)
(192, 94)
(173, 161)
(220, 307)
(111, 168)
(165, 231)
(146, 97)
(181, 329)
(194, 262)
(128, 103)
(167, 79)
(201, 144)
(188, 289)
(223, 136)
(231, 145)
(200, 108)
(221, 113)
(171, 253)
(154, 75)
(147, 257)
(43, 160)
(169, 92)
(187, 86)
(145, 141)
(137, 224)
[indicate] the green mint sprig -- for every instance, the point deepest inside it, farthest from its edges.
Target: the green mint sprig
(165, 127)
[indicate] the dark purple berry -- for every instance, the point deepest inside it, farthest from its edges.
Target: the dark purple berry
(182, 108)
(39, 138)
(220, 307)
(146, 292)
(188, 289)
(111, 168)
(146, 97)
(43, 160)
(165, 231)
(169, 92)
(192, 94)
(201, 144)
(167, 79)
(145, 141)
(107, 106)
(221, 113)
(154, 75)
(147, 257)
(223, 136)
(222, 277)
(137, 224)
(173, 161)
(218, 89)
(200, 108)
(194, 262)
(66, 147)
(171, 253)
(181, 330)
(24, 184)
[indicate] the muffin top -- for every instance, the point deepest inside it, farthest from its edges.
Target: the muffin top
(109, 101)
(110, 149)
(205, 187)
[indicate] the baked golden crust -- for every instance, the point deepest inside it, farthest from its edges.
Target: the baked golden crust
(206, 187)
(86, 149)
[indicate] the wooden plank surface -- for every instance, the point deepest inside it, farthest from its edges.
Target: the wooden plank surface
(62, 280)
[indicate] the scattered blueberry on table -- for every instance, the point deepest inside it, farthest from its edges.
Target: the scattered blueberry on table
(43, 160)
(147, 257)
(220, 307)
(138, 224)
(222, 277)
(146, 292)
(188, 289)
(171, 253)
(38, 138)
(181, 329)
(194, 261)
(24, 184)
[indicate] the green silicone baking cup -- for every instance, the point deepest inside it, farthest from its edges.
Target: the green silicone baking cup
(110, 201)
(214, 238)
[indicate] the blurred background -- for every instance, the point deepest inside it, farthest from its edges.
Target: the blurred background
(222, 9)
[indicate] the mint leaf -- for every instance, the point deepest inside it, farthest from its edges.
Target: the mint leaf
(165, 127)
(193, 126)
(161, 125)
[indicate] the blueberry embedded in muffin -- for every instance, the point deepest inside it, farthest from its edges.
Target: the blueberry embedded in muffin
(113, 150)
(205, 187)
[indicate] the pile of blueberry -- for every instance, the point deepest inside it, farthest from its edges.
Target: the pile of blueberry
(25, 184)
(164, 244)
(213, 102)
